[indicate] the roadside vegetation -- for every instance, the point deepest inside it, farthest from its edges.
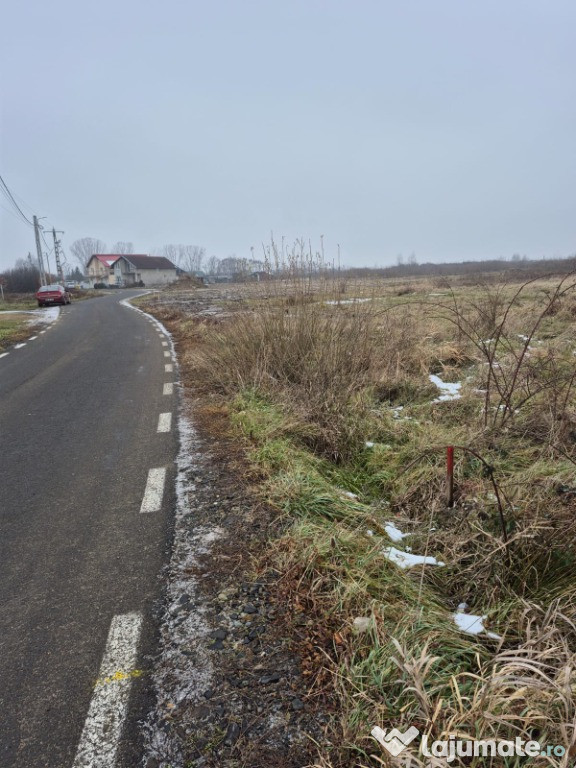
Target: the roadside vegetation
(13, 302)
(13, 328)
(346, 395)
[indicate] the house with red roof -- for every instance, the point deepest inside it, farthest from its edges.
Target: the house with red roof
(99, 268)
(134, 269)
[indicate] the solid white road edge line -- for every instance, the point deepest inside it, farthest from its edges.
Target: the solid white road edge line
(154, 492)
(165, 422)
(103, 727)
(168, 367)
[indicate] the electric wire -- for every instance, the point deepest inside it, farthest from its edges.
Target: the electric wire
(9, 196)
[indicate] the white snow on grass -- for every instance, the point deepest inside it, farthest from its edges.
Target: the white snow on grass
(407, 559)
(472, 624)
(448, 391)
(347, 494)
(394, 533)
(45, 316)
(347, 301)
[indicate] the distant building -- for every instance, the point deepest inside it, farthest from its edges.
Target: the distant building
(260, 276)
(125, 270)
(131, 269)
(99, 267)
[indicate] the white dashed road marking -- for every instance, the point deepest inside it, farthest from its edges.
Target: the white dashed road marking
(165, 422)
(154, 492)
(32, 338)
(3, 354)
(168, 368)
(168, 388)
(103, 727)
(167, 354)
(19, 346)
(164, 343)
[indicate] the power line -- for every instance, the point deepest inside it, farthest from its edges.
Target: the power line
(12, 213)
(23, 202)
(50, 249)
(4, 188)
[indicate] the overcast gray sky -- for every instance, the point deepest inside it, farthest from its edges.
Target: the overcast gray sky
(446, 128)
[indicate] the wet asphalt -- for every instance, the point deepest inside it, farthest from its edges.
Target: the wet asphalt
(79, 411)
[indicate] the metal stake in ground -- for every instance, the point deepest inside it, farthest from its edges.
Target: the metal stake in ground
(450, 475)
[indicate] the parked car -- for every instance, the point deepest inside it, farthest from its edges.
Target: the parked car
(70, 285)
(53, 294)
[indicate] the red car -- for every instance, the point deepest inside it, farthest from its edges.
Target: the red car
(52, 294)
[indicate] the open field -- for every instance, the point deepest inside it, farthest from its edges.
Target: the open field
(345, 396)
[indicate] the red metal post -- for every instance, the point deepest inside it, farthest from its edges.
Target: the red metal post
(450, 475)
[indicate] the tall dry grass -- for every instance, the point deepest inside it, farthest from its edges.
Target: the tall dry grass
(308, 370)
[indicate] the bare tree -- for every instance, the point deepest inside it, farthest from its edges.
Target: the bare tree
(82, 250)
(191, 257)
(171, 251)
(212, 265)
(22, 278)
(187, 257)
(123, 247)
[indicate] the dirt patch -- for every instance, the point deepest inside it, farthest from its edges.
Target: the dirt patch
(231, 683)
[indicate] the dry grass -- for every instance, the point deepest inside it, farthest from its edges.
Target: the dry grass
(13, 328)
(309, 379)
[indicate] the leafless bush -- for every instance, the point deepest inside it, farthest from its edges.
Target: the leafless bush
(515, 375)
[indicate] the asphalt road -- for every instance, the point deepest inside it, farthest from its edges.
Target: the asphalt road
(79, 411)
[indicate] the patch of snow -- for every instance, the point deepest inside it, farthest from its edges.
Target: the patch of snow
(394, 533)
(349, 494)
(370, 444)
(37, 316)
(407, 559)
(361, 624)
(448, 391)
(347, 301)
(369, 532)
(396, 411)
(472, 624)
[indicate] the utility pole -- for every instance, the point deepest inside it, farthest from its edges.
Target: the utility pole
(39, 251)
(59, 269)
